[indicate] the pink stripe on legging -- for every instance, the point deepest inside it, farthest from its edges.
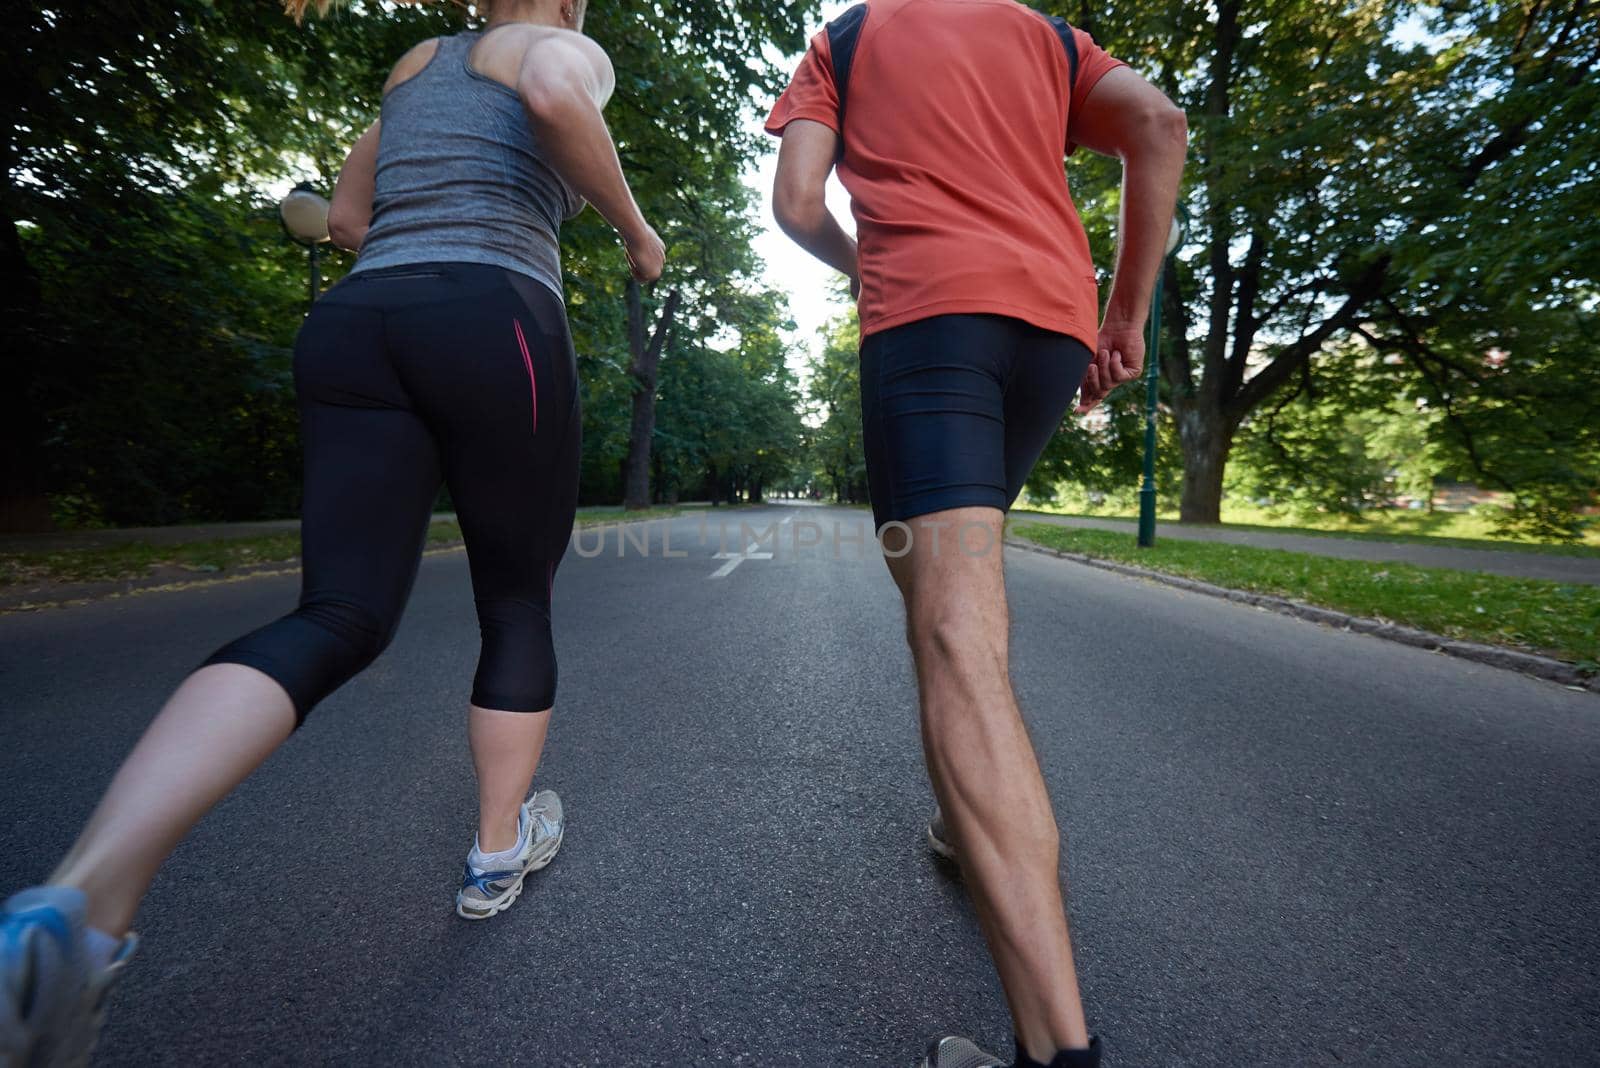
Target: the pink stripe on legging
(527, 361)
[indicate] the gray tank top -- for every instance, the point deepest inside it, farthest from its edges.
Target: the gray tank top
(461, 177)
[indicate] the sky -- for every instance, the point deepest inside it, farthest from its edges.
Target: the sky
(808, 284)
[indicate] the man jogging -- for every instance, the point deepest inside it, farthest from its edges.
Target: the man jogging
(948, 121)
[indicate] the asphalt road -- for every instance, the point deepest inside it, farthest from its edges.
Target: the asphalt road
(1288, 845)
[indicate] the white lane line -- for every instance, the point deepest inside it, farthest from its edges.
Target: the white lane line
(735, 559)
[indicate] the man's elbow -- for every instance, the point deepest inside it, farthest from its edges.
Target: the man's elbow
(1166, 126)
(796, 210)
(1153, 129)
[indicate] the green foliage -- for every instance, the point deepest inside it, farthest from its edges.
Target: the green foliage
(1103, 454)
(1331, 442)
(1390, 275)
(1416, 177)
(728, 419)
(152, 297)
(722, 379)
(837, 460)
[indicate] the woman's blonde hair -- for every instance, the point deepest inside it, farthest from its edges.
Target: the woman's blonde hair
(297, 8)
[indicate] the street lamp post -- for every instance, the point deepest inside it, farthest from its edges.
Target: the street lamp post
(304, 214)
(1152, 378)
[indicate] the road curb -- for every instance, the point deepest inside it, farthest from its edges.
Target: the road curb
(1539, 667)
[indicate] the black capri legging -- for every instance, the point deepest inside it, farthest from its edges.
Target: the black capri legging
(407, 377)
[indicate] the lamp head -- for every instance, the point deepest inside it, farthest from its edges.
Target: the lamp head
(304, 212)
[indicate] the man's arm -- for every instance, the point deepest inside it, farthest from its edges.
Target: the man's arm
(799, 198)
(564, 82)
(1126, 117)
(350, 211)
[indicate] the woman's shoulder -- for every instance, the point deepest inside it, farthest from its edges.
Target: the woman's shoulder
(501, 53)
(413, 62)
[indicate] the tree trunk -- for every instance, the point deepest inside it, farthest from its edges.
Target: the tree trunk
(1207, 439)
(646, 361)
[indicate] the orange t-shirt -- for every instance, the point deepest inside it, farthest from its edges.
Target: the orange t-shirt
(959, 117)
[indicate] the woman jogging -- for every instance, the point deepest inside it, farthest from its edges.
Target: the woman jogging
(444, 358)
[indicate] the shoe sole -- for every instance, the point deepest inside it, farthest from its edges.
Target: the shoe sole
(942, 849)
(509, 898)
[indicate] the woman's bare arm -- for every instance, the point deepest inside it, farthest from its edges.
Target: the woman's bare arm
(564, 82)
(350, 214)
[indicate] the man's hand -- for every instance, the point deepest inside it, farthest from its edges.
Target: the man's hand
(1127, 118)
(1119, 358)
(647, 256)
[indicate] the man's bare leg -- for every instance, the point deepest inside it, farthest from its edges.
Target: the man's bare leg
(984, 772)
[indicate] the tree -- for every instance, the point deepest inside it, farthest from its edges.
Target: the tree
(836, 449)
(1356, 166)
(646, 359)
(151, 299)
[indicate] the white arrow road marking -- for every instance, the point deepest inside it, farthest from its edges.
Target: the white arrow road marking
(735, 559)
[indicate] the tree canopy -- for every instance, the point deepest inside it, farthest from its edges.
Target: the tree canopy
(152, 297)
(1389, 275)
(1403, 192)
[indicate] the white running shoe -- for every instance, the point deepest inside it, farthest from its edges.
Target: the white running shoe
(486, 891)
(52, 1000)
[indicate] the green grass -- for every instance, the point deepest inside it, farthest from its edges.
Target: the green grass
(1553, 618)
(594, 517)
(112, 563)
(1452, 529)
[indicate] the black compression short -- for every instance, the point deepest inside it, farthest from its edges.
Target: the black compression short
(408, 377)
(956, 410)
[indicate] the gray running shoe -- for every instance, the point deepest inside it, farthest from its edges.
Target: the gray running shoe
(954, 1052)
(52, 1001)
(485, 892)
(938, 837)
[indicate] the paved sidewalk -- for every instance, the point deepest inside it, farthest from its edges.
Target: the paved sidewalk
(1576, 569)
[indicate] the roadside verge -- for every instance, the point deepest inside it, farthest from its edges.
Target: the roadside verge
(1415, 606)
(35, 580)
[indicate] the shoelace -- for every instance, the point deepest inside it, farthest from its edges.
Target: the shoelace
(538, 810)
